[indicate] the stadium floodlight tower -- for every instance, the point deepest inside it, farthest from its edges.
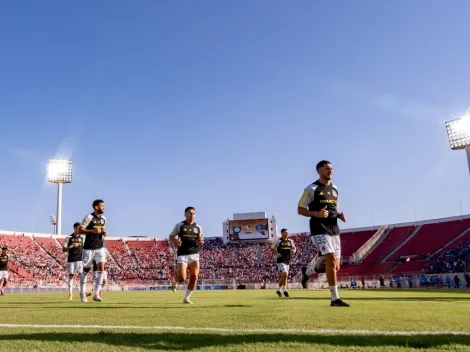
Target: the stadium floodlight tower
(59, 171)
(458, 131)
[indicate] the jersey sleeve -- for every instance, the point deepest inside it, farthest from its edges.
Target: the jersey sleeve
(293, 245)
(176, 230)
(307, 197)
(86, 221)
(275, 245)
(66, 242)
(201, 233)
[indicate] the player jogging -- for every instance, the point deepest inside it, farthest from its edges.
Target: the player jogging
(283, 248)
(3, 269)
(73, 244)
(187, 236)
(93, 226)
(319, 202)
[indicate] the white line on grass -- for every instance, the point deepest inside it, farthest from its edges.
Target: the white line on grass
(267, 331)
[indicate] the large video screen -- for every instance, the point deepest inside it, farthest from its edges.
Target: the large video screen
(240, 230)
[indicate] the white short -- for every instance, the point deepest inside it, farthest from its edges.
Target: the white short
(75, 267)
(327, 244)
(98, 255)
(187, 259)
(283, 268)
(4, 275)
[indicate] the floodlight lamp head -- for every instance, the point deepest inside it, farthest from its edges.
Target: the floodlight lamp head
(458, 132)
(59, 171)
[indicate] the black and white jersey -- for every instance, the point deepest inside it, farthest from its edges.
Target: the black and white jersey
(314, 198)
(4, 262)
(75, 252)
(285, 248)
(189, 234)
(94, 240)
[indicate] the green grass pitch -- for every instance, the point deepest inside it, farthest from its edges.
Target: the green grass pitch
(252, 319)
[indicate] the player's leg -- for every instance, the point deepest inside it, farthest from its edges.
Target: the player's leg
(95, 269)
(71, 271)
(3, 283)
(318, 267)
(100, 258)
(193, 267)
(284, 277)
(280, 267)
(332, 259)
(181, 271)
(105, 279)
(87, 262)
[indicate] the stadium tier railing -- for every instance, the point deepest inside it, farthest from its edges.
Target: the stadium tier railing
(366, 247)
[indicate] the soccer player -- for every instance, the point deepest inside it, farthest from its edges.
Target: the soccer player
(187, 236)
(3, 269)
(319, 202)
(283, 248)
(73, 244)
(93, 227)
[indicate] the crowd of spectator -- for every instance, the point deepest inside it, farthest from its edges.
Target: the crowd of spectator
(452, 261)
(151, 261)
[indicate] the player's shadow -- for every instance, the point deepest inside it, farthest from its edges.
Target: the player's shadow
(389, 298)
(167, 341)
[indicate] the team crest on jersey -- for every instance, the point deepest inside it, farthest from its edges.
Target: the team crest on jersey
(335, 194)
(195, 230)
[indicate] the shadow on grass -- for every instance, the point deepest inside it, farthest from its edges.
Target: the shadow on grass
(181, 341)
(387, 298)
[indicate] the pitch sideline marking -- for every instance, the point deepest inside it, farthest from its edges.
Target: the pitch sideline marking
(268, 331)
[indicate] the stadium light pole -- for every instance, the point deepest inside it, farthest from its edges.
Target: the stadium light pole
(458, 132)
(59, 171)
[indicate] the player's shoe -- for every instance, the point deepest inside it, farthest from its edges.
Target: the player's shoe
(70, 297)
(187, 301)
(174, 286)
(279, 293)
(97, 298)
(1, 292)
(304, 277)
(339, 303)
(83, 298)
(286, 294)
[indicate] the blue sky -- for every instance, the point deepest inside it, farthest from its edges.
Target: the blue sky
(227, 106)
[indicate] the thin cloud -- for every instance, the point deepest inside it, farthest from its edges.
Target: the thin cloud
(409, 108)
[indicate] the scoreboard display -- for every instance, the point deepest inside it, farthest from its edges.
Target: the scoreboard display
(253, 229)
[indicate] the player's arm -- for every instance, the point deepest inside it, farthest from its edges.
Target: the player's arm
(274, 249)
(340, 215)
(173, 238)
(201, 236)
(65, 247)
(305, 200)
(294, 248)
(83, 227)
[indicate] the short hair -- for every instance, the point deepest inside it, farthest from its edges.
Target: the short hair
(322, 163)
(188, 209)
(76, 224)
(283, 230)
(97, 202)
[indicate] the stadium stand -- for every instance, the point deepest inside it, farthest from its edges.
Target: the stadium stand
(434, 246)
